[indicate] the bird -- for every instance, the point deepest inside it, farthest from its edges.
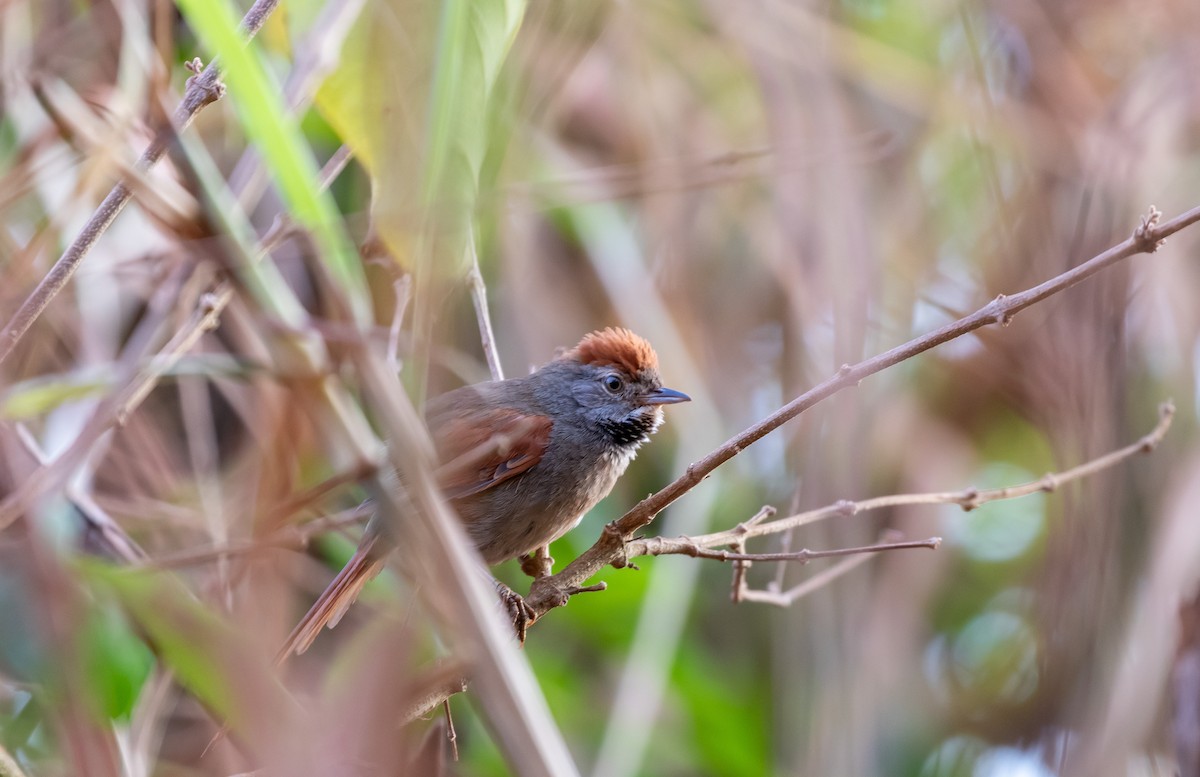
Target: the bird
(523, 460)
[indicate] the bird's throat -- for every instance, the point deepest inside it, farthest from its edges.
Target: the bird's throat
(632, 430)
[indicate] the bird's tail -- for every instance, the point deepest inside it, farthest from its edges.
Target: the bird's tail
(332, 604)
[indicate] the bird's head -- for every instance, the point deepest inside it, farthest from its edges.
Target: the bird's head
(616, 383)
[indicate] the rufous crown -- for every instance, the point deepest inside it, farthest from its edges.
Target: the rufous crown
(615, 347)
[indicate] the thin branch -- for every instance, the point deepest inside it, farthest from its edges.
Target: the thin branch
(204, 319)
(479, 297)
(740, 567)
(547, 593)
(283, 226)
(967, 499)
(789, 597)
(683, 546)
(203, 88)
(435, 685)
(451, 734)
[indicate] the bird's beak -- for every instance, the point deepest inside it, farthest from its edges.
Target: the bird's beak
(665, 396)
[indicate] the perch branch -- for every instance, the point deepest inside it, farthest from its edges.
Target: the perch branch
(547, 593)
(758, 525)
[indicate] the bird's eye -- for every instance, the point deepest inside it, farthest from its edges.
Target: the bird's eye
(613, 383)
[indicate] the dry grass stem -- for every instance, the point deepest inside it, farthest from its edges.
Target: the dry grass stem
(203, 88)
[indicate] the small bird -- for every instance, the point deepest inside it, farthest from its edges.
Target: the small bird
(522, 460)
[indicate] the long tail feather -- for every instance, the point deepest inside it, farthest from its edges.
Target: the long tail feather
(332, 604)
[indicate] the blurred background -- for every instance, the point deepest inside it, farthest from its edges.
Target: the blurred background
(766, 190)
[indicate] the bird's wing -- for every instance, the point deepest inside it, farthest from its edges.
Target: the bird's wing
(488, 446)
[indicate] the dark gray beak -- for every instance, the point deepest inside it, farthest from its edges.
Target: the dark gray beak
(666, 396)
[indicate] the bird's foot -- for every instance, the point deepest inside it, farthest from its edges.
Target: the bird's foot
(518, 611)
(538, 564)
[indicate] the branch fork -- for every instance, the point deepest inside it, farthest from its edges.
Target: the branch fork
(211, 88)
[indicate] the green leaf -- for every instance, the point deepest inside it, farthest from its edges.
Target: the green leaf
(411, 96)
(40, 395)
(115, 663)
(211, 658)
(475, 38)
(35, 397)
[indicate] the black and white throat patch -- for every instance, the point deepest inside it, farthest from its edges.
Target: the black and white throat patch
(634, 429)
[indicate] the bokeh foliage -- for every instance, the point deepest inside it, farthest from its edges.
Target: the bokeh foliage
(767, 191)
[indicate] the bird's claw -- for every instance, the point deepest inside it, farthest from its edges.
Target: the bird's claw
(519, 612)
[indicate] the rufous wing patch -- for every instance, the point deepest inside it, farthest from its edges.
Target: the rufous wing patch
(487, 447)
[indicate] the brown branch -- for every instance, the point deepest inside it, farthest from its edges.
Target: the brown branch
(437, 684)
(739, 546)
(548, 592)
(203, 88)
(451, 734)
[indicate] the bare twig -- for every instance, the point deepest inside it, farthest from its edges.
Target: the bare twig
(479, 297)
(967, 499)
(202, 89)
(547, 593)
(283, 226)
(683, 546)
(787, 598)
(741, 566)
(451, 734)
(204, 319)
(436, 684)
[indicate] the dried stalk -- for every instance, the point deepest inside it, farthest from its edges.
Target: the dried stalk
(203, 88)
